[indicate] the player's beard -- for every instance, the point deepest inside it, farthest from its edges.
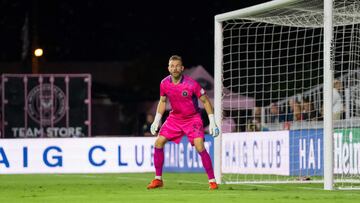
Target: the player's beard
(176, 75)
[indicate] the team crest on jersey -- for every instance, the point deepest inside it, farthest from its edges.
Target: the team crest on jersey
(185, 93)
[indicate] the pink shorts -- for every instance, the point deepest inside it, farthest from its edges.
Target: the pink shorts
(174, 128)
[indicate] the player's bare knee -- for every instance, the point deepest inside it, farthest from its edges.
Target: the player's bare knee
(199, 147)
(199, 144)
(160, 142)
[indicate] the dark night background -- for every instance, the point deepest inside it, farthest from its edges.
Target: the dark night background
(125, 45)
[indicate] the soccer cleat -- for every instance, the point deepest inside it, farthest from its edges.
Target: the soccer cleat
(156, 183)
(213, 186)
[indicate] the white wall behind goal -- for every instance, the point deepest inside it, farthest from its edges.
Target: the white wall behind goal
(256, 153)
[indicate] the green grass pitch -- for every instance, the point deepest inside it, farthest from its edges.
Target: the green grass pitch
(179, 187)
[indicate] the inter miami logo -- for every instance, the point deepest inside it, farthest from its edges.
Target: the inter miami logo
(184, 93)
(46, 103)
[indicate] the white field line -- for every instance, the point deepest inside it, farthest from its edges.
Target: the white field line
(122, 177)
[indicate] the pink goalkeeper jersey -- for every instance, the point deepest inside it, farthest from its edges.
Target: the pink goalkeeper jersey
(183, 97)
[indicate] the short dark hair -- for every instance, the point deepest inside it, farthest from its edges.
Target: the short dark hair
(176, 57)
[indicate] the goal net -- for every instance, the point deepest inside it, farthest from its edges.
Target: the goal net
(270, 82)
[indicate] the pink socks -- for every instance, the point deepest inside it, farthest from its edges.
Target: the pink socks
(205, 158)
(159, 161)
(206, 161)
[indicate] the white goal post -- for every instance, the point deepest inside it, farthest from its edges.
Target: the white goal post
(299, 61)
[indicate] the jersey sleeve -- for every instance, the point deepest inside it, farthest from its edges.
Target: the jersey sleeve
(199, 91)
(162, 89)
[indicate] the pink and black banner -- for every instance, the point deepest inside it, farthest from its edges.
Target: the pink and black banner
(45, 105)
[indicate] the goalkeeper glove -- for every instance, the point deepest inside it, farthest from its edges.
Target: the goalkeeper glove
(155, 125)
(213, 129)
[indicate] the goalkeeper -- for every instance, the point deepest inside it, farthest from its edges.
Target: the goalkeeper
(184, 119)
